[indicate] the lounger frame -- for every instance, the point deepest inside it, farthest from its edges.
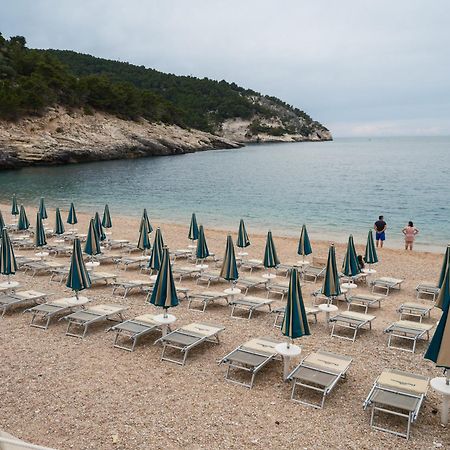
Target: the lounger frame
(348, 323)
(409, 334)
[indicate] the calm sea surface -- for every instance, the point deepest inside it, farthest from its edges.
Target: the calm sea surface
(336, 188)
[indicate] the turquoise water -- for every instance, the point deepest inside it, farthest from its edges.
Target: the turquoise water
(336, 188)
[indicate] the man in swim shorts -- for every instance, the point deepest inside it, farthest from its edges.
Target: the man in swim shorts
(380, 229)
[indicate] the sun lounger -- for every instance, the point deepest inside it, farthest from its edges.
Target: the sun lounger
(428, 289)
(415, 310)
(386, 284)
(130, 261)
(181, 291)
(409, 330)
(246, 283)
(181, 253)
(249, 304)
(205, 298)
(252, 264)
(320, 372)
(350, 320)
(131, 247)
(209, 277)
(43, 314)
(19, 298)
(40, 267)
(279, 288)
(129, 285)
(59, 274)
(315, 270)
(284, 269)
(279, 314)
(106, 258)
(117, 243)
(59, 250)
(362, 276)
(365, 301)
(186, 271)
(187, 337)
(93, 314)
(22, 260)
(102, 277)
(319, 297)
(397, 393)
(250, 357)
(133, 330)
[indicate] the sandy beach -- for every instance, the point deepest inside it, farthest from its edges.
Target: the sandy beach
(70, 393)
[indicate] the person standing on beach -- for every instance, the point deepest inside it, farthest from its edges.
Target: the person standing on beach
(380, 231)
(410, 232)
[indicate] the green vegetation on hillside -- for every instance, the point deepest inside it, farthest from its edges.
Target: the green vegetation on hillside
(32, 80)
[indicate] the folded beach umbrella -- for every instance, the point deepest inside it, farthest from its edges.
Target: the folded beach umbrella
(439, 348)
(8, 265)
(106, 222)
(242, 240)
(445, 265)
(145, 217)
(59, 226)
(92, 245)
(202, 246)
(350, 265)
(39, 232)
(78, 278)
(331, 287)
(2, 222)
(270, 254)
(304, 245)
(23, 223)
(193, 229)
(144, 239)
(164, 294)
(229, 269)
(370, 256)
(72, 217)
(42, 209)
(14, 206)
(444, 292)
(295, 322)
(157, 251)
(99, 228)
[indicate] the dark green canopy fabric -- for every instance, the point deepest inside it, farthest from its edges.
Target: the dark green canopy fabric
(193, 228)
(145, 217)
(92, 245)
(78, 278)
(370, 256)
(2, 222)
(106, 221)
(331, 285)
(202, 246)
(157, 251)
(229, 269)
(39, 232)
(304, 245)
(14, 206)
(8, 265)
(144, 239)
(350, 265)
(445, 265)
(444, 293)
(242, 240)
(270, 254)
(72, 217)
(98, 227)
(59, 226)
(23, 223)
(42, 209)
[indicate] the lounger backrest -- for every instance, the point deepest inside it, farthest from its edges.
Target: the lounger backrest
(105, 309)
(261, 346)
(413, 325)
(319, 262)
(202, 329)
(146, 318)
(403, 382)
(328, 361)
(356, 315)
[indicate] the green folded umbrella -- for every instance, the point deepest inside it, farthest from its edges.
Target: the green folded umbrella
(145, 217)
(331, 286)
(445, 265)
(106, 222)
(157, 251)
(444, 292)
(8, 265)
(370, 257)
(350, 265)
(92, 245)
(59, 226)
(164, 294)
(14, 206)
(42, 209)
(72, 217)
(2, 222)
(78, 278)
(193, 229)
(270, 254)
(295, 322)
(242, 240)
(439, 348)
(229, 269)
(39, 232)
(23, 223)
(304, 245)
(99, 228)
(144, 239)
(202, 246)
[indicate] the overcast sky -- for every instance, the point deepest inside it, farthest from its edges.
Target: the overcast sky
(361, 67)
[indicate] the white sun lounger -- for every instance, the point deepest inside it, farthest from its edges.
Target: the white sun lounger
(252, 264)
(415, 310)
(205, 298)
(386, 284)
(133, 330)
(93, 314)
(320, 372)
(40, 267)
(315, 270)
(365, 301)
(185, 271)
(362, 276)
(59, 274)
(209, 277)
(409, 330)
(19, 298)
(59, 250)
(279, 288)
(284, 269)
(129, 285)
(249, 304)
(398, 393)
(246, 283)
(106, 258)
(117, 243)
(427, 289)
(250, 357)
(187, 337)
(181, 291)
(43, 314)
(102, 277)
(130, 261)
(319, 297)
(181, 253)
(350, 320)
(279, 314)
(22, 260)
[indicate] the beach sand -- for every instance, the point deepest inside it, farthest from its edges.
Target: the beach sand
(69, 393)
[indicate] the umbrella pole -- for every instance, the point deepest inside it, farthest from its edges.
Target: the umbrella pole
(303, 256)
(447, 377)
(288, 345)
(76, 295)
(165, 313)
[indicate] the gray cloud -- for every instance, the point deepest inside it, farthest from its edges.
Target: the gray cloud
(360, 67)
